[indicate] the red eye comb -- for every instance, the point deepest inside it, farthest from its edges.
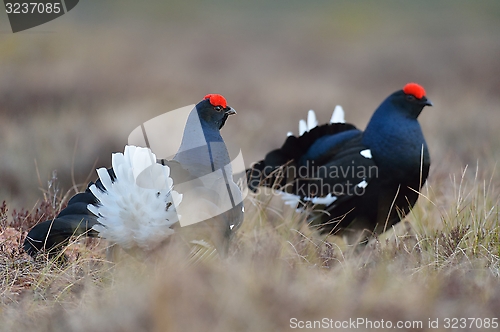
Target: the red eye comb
(414, 89)
(216, 100)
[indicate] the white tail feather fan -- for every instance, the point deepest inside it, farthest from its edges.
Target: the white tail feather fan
(140, 206)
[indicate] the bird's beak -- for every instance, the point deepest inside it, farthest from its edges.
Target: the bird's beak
(427, 102)
(230, 111)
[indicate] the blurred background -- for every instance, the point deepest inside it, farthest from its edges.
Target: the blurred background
(72, 90)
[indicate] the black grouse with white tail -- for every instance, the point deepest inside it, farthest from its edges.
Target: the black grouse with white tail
(134, 204)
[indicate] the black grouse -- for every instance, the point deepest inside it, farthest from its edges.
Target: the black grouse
(134, 204)
(350, 181)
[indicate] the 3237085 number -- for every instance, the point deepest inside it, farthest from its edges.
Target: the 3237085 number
(462, 323)
(32, 7)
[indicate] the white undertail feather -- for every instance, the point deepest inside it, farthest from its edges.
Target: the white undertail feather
(327, 200)
(302, 127)
(362, 184)
(367, 153)
(338, 115)
(289, 199)
(311, 120)
(140, 206)
(311, 123)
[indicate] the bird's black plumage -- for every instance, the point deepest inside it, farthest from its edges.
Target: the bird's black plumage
(74, 220)
(355, 180)
(188, 166)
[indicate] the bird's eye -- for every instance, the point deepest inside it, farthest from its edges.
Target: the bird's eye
(410, 97)
(218, 108)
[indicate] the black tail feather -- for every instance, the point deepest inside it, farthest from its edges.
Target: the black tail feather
(271, 172)
(52, 236)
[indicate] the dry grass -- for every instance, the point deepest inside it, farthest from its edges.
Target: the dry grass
(440, 263)
(70, 98)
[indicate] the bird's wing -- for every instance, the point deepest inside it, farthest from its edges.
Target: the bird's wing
(337, 173)
(269, 172)
(326, 166)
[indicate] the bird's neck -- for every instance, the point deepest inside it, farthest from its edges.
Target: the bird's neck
(198, 131)
(396, 141)
(202, 145)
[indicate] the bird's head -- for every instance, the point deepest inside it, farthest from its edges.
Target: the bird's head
(410, 100)
(214, 111)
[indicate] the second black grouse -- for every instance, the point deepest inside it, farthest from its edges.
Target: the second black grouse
(352, 181)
